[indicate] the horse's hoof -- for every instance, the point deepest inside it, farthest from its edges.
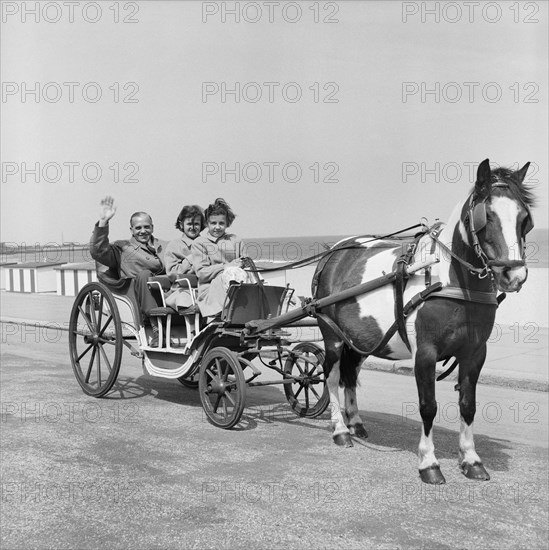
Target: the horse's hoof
(475, 471)
(343, 440)
(360, 431)
(432, 475)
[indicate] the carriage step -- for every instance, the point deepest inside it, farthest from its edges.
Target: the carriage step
(182, 350)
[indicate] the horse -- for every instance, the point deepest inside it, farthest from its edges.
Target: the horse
(480, 250)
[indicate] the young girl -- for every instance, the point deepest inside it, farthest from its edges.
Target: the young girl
(216, 258)
(178, 254)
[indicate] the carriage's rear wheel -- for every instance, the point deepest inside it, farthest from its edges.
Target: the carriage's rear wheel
(95, 339)
(308, 394)
(222, 387)
(189, 382)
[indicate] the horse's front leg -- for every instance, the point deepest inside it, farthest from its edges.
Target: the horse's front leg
(340, 433)
(469, 371)
(424, 368)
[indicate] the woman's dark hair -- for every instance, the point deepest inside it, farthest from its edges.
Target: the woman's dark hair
(190, 211)
(220, 207)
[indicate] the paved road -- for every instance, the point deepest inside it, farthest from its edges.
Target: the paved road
(144, 469)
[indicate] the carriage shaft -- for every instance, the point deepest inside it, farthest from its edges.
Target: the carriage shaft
(262, 325)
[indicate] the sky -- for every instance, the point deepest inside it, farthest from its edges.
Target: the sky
(344, 118)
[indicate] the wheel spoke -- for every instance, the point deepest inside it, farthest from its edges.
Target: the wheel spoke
(219, 365)
(86, 318)
(224, 407)
(84, 353)
(100, 310)
(299, 390)
(99, 369)
(300, 369)
(107, 362)
(87, 379)
(92, 308)
(230, 398)
(211, 374)
(105, 325)
(306, 398)
(217, 403)
(314, 391)
(105, 341)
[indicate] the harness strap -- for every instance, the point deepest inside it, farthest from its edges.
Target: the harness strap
(412, 304)
(399, 287)
(449, 370)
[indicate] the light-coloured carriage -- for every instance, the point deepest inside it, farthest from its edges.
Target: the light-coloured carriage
(219, 358)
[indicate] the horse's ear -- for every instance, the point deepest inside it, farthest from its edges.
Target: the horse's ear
(484, 177)
(521, 174)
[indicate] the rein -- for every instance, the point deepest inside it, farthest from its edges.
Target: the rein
(311, 259)
(480, 272)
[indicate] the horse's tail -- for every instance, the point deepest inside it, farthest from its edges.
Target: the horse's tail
(348, 367)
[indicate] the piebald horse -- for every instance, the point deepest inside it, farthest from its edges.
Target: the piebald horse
(480, 251)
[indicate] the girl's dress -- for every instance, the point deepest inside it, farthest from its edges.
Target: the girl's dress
(177, 259)
(210, 256)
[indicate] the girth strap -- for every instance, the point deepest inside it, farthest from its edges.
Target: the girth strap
(468, 295)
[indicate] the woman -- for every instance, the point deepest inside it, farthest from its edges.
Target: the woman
(177, 256)
(216, 258)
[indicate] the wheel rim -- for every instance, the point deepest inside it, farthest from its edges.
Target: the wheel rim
(308, 396)
(222, 387)
(95, 339)
(191, 382)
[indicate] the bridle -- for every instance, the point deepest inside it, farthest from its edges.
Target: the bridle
(475, 221)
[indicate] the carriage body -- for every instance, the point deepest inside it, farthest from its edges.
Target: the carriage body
(218, 358)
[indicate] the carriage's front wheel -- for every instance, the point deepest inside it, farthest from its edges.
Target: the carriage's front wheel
(95, 339)
(308, 394)
(222, 387)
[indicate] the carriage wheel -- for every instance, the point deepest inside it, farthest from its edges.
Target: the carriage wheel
(309, 395)
(222, 387)
(95, 339)
(191, 382)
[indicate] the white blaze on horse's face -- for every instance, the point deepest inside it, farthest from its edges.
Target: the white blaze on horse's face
(504, 242)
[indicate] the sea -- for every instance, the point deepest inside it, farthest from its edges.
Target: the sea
(261, 249)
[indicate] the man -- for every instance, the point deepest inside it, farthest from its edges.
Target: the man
(139, 258)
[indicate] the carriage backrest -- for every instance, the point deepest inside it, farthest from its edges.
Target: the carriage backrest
(247, 302)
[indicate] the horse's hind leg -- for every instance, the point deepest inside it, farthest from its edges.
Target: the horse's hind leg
(333, 349)
(425, 362)
(469, 371)
(350, 368)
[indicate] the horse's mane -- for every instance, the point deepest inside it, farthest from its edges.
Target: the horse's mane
(521, 192)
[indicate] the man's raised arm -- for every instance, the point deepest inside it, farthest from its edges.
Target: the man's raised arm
(100, 248)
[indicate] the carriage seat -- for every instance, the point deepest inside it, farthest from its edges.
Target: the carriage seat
(112, 278)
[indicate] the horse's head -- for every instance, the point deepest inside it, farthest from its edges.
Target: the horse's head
(498, 218)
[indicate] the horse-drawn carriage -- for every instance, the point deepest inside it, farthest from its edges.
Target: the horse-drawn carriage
(216, 357)
(366, 301)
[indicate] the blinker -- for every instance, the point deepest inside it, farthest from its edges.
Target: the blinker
(478, 221)
(478, 218)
